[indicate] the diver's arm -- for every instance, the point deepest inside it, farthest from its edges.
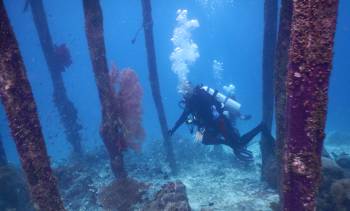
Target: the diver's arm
(180, 121)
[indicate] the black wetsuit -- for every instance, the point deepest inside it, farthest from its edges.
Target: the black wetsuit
(208, 115)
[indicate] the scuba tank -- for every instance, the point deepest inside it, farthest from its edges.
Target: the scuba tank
(230, 105)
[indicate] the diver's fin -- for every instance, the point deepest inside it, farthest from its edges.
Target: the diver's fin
(245, 116)
(244, 155)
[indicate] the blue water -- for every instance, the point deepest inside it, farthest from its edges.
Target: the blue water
(230, 31)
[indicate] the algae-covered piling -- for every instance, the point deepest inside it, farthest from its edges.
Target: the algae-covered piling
(309, 67)
(17, 97)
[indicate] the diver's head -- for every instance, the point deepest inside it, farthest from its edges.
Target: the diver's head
(187, 91)
(187, 94)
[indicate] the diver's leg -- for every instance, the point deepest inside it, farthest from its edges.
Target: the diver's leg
(230, 135)
(211, 138)
(234, 141)
(246, 138)
(227, 135)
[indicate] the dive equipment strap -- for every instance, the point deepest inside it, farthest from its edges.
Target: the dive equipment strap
(215, 93)
(226, 99)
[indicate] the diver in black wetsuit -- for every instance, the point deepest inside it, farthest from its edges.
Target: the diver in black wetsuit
(204, 111)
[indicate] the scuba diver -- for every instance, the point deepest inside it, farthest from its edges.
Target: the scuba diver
(214, 115)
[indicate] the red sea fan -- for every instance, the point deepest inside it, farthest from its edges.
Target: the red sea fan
(113, 75)
(128, 94)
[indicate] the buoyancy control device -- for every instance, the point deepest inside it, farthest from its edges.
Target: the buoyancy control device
(230, 104)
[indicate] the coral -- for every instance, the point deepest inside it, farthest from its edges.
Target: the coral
(331, 172)
(128, 96)
(343, 160)
(340, 192)
(80, 178)
(242, 185)
(63, 56)
(269, 172)
(172, 196)
(14, 194)
(122, 194)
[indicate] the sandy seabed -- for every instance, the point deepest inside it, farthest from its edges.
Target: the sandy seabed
(214, 179)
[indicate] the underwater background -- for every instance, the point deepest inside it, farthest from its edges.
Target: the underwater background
(229, 37)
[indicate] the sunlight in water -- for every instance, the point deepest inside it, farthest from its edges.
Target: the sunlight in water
(212, 5)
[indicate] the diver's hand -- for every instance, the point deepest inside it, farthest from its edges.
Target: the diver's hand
(245, 117)
(170, 132)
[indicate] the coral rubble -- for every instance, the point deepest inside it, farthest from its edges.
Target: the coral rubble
(172, 196)
(14, 194)
(3, 158)
(122, 194)
(214, 180)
